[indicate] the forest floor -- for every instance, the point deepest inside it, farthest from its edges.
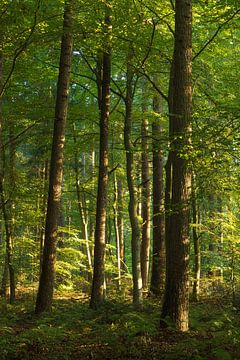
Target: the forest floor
(73, 331)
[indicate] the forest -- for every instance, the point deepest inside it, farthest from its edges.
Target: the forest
(119, 179)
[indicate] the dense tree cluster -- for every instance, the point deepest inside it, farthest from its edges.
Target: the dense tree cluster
(119, 149)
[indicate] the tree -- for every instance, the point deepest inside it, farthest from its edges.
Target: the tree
(97, 293)
(145, 245)
(132, 188)
(46, 282)
(8, 267)
(158, 248)
(176, 298)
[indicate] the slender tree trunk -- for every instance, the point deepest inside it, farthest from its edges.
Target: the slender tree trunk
(4, 287)
(120, 221)
(43, 211)
(176, 300)
(158, 257)
(97, 294)
(6, 219)
(46, 283)
(116, 228)
(81, 204)
(197, 251)
(145, 244)
(133, 193)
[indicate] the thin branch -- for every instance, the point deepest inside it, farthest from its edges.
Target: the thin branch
(215, 34)
(112, 170)
(154, 85)
(150, 45)
(19, 51)
(119, 93)
(116, 105)
(84, 87)
(13, 140)
(162, 19)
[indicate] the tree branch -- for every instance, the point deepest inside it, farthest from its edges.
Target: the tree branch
(215, 34)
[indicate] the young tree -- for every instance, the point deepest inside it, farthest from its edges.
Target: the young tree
(145, 245)
(8, 267)
(132, 188)
(176, 299)
(97, 293)
(158, 256)
(46, 282)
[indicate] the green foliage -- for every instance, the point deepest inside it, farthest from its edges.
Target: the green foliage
(116, 331)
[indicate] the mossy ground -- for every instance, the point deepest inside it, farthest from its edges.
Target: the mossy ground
(117, 331)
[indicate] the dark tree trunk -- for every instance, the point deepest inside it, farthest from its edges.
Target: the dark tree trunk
(97, 294)
(133, 193)
(5, 212)
(46, 283)
(145, 244)
(176, 300)
(4, 283)
(158, 256)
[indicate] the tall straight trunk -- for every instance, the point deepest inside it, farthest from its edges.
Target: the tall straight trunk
(116, 228)
(97, 293)
(197, 251)
(6, 218)
(145, 244)
(4, 282)
(43, 211)
(120, 224)
(176, 299)
(46, 282)
(81, 203)
(158, 256)
(133, 192)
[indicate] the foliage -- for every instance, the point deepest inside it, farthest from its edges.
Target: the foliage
(73, 331)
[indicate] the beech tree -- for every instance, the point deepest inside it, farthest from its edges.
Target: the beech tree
(176, 296)
(97, 293)
(46, 282)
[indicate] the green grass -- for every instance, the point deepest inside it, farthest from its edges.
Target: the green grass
(116, 331)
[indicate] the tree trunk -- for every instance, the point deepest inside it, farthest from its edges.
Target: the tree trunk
(6, 218)
(145, 244)
(197, 251)
(176, 300)
(116, 228)
(43, 212)
(133, 193)
(81, 204)
(121, 223)
(46, 283)
(158, 257)
(4, 282)
(97, 294)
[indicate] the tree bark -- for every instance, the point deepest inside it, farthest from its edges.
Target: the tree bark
(81, 204)
(97, 293)
(158, 257)
(43, 211)
(116, 228)
(197, 251)
(5, 212)
(176, 299)
(46, 282)
(133, 192)
(120, 221)
(145, 244)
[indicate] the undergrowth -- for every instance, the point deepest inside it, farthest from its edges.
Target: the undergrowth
(116, 331)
